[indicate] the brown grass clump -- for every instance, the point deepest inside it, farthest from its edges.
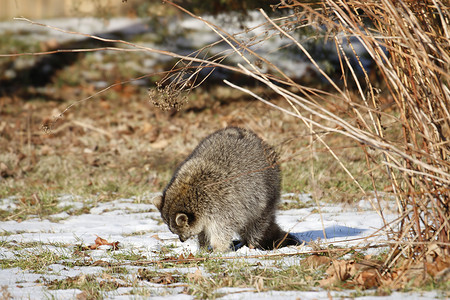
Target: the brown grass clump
(409, 43)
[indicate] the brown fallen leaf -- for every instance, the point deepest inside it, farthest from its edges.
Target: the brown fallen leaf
(328, 282)
(159, 144)
(368, 279)
(339, 271)
(190, 256)
(104, 104)
(160, 278)
(436, 262)
(33, 200)
(100, 242)
(46, 150)
(155, 236)
(363, 274)
(163, 279)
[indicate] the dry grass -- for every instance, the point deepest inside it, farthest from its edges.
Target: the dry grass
(415, 69)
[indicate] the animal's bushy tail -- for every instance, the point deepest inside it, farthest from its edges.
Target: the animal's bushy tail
(276, 238)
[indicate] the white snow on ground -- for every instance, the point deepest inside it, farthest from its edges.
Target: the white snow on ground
(322, 295)
(138, 228)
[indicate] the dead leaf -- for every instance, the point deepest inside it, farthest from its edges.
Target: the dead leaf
(92, 247)
(160, 278)
(100, 242)
(155, 236)
(46, 150)
(363, 274)
(190, 256)
(34, 199)
(338, 271)
(368, 279)
(105, 104)
(160, 144)
(436, 261)
(164, 279)
(327, 282)
(151, 132)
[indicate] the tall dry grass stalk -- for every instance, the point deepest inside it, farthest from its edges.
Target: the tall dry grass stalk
(417, 72)
(409, 41)
(406, 127)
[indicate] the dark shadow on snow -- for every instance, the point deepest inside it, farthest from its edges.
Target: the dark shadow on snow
(337, 231)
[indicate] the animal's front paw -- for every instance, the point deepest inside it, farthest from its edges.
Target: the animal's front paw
(235, 245)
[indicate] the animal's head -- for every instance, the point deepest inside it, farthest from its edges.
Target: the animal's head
(180, 222)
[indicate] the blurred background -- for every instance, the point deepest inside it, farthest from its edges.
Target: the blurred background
(44, 9)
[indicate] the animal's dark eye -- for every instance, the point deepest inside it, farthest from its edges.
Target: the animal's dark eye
(191, 217)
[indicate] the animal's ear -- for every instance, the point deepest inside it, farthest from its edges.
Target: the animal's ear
(181, 219)
(157, 201)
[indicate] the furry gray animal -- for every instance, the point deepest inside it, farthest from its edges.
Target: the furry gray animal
(229, 184)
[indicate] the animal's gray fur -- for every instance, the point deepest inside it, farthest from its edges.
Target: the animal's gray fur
(229, 184)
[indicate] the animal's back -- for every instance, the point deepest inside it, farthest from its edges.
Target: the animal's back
(233, 146)
(236, 162)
